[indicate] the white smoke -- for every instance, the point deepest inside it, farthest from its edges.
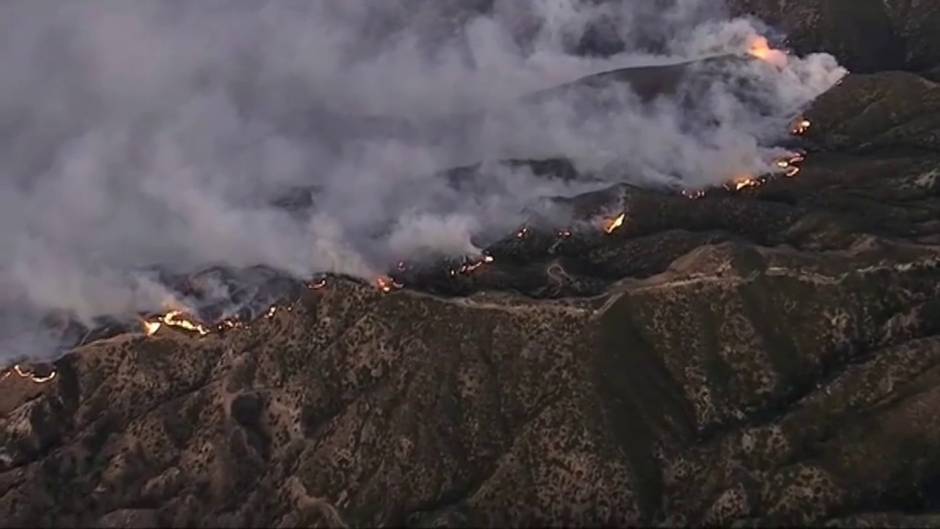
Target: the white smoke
(141, 134)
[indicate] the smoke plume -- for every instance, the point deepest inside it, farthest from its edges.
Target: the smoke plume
(161, 135)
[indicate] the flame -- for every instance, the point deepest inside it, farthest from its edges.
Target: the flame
(32, 376)
(800, 127)
(743, 183)
(615, 223)
(563, 234)
(41, 380)
(387, 284)
(522, 233)
(317, 285)
(470, 266)
(271, 312)
(229, 324)
(760, 49)
(791, 164)
(177, 319)
(151, 327)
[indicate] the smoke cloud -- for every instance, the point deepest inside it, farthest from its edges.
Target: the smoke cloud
(137, 136)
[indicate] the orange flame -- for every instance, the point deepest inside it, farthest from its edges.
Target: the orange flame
(387, 284)
(801, 127)
(466, 268)
(744, 183)
(760, 49)
(177, 319)
(229, 324)
(615, 223)
(32, 376)
(791, 164)
(151, 327)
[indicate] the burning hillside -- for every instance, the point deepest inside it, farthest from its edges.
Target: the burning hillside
(275, 175)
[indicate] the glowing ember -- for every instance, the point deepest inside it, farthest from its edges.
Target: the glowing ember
(800, 127)
(563, 234)
(271, 312)
(522, 233)
(693, 194)
(151, 327)
(316, 285)
(793, 171)
(615, 223)
(177, 319)
(783, 164)
(488, 259)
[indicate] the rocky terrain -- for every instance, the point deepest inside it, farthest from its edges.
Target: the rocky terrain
(763, 357)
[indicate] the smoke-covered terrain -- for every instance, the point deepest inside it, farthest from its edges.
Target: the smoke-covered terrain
(138, 139)
(460, 263)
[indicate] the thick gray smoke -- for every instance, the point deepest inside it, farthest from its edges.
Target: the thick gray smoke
(136, 135)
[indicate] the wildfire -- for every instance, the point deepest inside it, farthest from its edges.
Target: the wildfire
(744, 183)
(760, 48)
(177, 319)
(387, 284)
(32, 376)
(801, 127)
(151, 327)
(615, 223)
(229, 324)
(791, 165)
(470, 266)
